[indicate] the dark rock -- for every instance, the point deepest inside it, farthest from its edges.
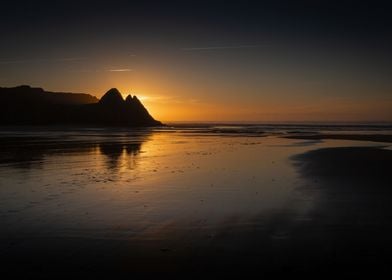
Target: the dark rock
(112, 98)
(25, 105)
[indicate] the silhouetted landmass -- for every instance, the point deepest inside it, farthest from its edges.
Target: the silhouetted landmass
(25, 105)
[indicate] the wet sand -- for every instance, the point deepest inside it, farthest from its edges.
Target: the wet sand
(386, 138)
(352, 217)
(291, 210)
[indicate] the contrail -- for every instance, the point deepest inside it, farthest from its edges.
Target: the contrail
(120, 70)
(65, 59)
(221, 48)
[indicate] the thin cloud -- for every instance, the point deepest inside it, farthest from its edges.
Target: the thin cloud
(71, 59)
(120, 70)
(23, 61)
(103, 70)
(167, 99)
(163, 99)
(212, 48)
(15, 61)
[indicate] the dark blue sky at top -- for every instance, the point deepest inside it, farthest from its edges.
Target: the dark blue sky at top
(354, 24)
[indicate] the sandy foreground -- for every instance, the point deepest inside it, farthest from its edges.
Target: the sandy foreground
(347, 231)
(386, 138)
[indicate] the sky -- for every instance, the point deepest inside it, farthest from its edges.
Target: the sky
(252, 61)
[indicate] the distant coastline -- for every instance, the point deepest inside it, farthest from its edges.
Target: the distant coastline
(285, 123)
(25, 105)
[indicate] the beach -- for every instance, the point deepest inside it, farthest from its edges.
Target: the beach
(385, 138)
(203, 203)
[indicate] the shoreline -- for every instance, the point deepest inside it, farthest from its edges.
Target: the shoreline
(385, 138)
(345, 229)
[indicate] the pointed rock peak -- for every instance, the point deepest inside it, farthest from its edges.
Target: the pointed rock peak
(113, 92)
(112, 97)
(135, 99)
(128, 99)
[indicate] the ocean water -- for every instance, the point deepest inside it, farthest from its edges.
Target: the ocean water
(197, 192)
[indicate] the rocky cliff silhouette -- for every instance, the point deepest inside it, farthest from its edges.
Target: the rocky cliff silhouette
(25, 105)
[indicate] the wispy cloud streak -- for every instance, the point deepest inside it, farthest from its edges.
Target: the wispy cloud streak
(23, 61)
(120, 70)
(221, 48)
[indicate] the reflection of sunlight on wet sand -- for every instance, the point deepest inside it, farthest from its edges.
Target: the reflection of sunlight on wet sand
(174, 195)
(202, 176)
(157, 182)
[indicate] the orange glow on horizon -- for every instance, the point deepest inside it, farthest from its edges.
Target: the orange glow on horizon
(169, 99)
